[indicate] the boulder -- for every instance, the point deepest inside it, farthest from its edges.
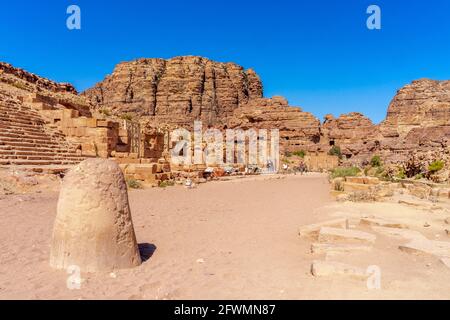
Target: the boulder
(93, 228)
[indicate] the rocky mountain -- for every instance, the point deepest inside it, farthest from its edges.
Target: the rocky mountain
(178, 90)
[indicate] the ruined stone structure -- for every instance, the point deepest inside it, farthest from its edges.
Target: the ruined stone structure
(93, 229)
(47, 125)
(157, 95)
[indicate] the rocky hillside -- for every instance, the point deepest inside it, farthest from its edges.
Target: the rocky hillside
(177, 90)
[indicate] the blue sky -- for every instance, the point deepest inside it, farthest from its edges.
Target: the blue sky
(318, 54)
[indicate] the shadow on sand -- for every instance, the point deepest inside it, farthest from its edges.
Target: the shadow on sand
(146, 250)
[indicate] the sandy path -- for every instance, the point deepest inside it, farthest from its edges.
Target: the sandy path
(223, 240)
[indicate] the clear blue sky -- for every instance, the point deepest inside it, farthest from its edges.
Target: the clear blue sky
(318, 54)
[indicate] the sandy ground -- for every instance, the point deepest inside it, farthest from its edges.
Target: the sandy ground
(223, 240)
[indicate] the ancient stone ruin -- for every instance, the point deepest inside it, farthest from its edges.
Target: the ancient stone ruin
(128, 116)
(93, 229)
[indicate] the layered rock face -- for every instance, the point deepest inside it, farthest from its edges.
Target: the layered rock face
(164, 94)
(298, 129)
(423, 103)
(354, 133)
(177, 91)
(26, 80)
(418, 120)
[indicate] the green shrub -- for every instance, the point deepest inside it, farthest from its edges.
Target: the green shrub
(436, 166)
(126, 116)
(339, 185)
(345, 172)
(300, 153)
(335, 151)
(375, 161)
(133, 183)
(401, 173)
(166, 183)
(419, 176)
(380, 170)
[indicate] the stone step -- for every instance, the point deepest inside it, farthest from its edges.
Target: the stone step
(16, 133)
(331, 268)
(328, 234)
(439, 249)
(382, 223)
(6, 152)
(24, 122)
(20, 115)
(22, 128)
(320, 248)
(53, 149)
(34, 162)
(399, 233)
(312, 230)
(42, 142)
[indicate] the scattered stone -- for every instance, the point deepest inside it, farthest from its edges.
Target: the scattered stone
(447, 221)
(320, 248)
(426, 225)
(331, 268)
(200, 261)
(312, 230)
(328, 234)
(382, 223)
(343, 197)
(93, 227)
(401, 233)
(350, 187)
(446, 262)
(432, 247)
(421, 192)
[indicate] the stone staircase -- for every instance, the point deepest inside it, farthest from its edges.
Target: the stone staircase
(26, 140)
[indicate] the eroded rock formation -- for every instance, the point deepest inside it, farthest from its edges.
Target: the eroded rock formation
(418, 120)
(164, 94)
(177, 90)
(298, 129)
(355, 134)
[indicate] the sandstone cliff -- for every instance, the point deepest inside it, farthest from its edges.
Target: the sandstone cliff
(418, 120)
(354, 133)
(177, 91)
(298, 129)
